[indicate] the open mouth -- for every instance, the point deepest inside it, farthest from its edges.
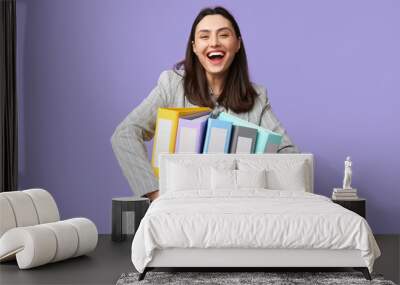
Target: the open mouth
(216, 56)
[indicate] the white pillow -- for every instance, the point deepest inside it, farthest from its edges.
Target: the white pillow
(290, 175)
(251, 178)
(184, 175)
(237, 179)
(223, 179)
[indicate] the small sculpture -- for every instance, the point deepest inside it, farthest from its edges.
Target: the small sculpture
(347, 174)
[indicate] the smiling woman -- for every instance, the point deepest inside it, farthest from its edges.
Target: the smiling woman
(216, 63)
(213, 74)
(215, 45)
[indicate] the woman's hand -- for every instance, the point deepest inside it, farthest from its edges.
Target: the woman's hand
(153, 195)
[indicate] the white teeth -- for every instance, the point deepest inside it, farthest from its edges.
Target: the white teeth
(216, 53)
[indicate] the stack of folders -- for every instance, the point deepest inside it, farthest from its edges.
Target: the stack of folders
(266, 141)
(167, 127)
(191, 130)
(344, 194)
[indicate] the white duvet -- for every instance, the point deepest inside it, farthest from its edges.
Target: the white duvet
(253, 218)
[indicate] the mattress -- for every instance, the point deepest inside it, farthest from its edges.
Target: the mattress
(250, 219)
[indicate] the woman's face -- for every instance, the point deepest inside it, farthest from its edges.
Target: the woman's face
(215, 44)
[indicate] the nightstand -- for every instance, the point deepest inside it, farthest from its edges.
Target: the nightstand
(127, 212)
(357, 205)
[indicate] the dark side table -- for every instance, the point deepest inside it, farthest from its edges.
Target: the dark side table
(357, 205)
(127, 212)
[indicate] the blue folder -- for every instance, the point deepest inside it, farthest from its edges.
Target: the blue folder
(218, 136)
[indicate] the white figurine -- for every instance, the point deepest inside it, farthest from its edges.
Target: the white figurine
(347, 174)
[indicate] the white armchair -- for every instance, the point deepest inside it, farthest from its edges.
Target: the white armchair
(31, 230)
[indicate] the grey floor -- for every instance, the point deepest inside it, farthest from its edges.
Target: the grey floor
(110, 260)
(103, 266)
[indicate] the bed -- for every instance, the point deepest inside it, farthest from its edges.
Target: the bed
(248, 210)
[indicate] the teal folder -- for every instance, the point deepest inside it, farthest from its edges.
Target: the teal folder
(267, 141)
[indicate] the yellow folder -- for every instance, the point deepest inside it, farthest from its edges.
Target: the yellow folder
(166, 129)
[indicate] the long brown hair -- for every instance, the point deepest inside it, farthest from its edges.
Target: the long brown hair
(238, 93)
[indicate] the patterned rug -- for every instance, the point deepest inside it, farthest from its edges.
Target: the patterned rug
(244, 278)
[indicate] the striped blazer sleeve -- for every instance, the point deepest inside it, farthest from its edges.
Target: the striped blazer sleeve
(129, 137)
(269, 121)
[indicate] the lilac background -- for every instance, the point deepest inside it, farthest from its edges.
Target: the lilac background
(332, 69)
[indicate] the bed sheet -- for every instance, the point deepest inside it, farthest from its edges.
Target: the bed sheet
(250, 218)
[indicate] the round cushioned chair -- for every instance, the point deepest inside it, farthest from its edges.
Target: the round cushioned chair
(32, 233)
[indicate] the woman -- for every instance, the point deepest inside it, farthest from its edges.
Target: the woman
(214, 73)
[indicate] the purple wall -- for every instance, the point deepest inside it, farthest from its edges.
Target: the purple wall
(332, 70)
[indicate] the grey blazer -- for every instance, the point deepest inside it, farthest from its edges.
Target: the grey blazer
(139, 126)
